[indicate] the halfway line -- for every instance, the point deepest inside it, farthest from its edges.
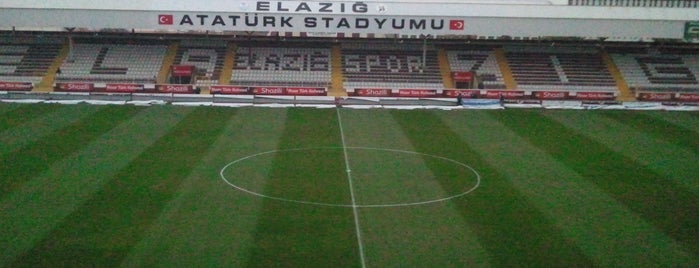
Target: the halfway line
(351, 188)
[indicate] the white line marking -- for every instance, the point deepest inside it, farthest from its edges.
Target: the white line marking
(351, 188)
(388, 205)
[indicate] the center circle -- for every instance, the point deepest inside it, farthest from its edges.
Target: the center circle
(370, 172)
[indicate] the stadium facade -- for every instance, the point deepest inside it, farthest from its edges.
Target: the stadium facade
(627, 19)
(519, 49)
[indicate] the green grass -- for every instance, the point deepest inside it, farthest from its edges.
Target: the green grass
(140, 186)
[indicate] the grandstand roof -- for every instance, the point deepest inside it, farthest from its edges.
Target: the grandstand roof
(526, 18)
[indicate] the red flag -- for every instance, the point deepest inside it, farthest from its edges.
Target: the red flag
(456, 24)
(165, 19)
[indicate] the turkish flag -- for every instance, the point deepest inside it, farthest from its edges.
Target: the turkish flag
(456, 24)
(165, 19)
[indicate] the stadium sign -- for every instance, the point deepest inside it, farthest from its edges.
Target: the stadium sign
(272, 22)
(691, 30)
(309, 7)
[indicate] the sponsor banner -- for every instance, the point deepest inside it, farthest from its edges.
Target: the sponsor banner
(595, 96)
(417, 93)
(466, 94)
(234, 90)
(688, 97)
(182, 70)
(508, 94)
(373, 92)
(123, 88)
(551, 95)
(16, 86)
(462, 76)
(655, 96)
(75, 87)
(267, 90)
(306, 91)
(174, 88)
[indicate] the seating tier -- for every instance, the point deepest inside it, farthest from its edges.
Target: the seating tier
(479, 60)
(121, 63)
(206, 56)
(26, 62)
(390, 65)
(656, 70)
(282, 66)
(559, 68)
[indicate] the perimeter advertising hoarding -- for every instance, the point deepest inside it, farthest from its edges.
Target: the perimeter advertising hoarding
(417, 93)
(185, 89)
(16, 86)
(692, 97)
(123, 88)
(551, 95)
(291, 91)
(75, 87)
(229, 90)
(655, 96)
(507, 94)
(595, 96)
(464, 93)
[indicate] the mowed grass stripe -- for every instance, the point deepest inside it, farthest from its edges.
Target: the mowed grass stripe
(688, 120)
(17, 167)
(37, 128)
(657, 128)
(210, 223)
(24, 113)
(658, 200)
(579, 208)
(667, 159)
(32, 211)
(300, 235)
(432, 235)
(6, 108)
(102, 231)
(511, 229)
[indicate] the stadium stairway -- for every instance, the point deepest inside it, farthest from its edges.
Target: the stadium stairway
(167, 62)
(510, 83)
(46, 84)
(336, 88)
(228, 62)
(625, 93)
(445, 68)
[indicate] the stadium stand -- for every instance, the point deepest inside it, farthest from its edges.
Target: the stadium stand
(477, 59)
(673, 69)
(390, 64)
(577, 67)
(27, 59)
(107, 61)
(206, 55)
(282, 64)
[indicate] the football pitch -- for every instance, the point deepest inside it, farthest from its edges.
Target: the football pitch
(105, 186)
